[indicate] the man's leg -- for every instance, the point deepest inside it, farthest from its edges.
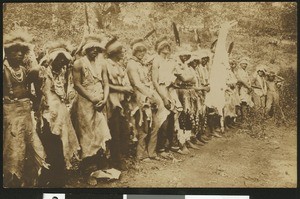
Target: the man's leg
(158, 120)
(141, 136)
(278, 113)
(263, 105)
(55, 176)
(114, 124)
(269, 103)
(173, 125)
(257, 102)
(163, 135)
(124, 136)
(244, 112)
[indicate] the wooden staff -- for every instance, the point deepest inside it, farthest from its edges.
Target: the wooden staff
(149, 34)
(230, 48)
(84, 34)
(87, 18)
(176, 34)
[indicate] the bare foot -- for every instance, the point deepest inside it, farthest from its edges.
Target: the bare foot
(191, 145)
(146, 160)
(166, 155)
(183, 151)
(92, 181)
(156, 158)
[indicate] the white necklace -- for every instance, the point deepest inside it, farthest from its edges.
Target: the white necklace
(17, 75)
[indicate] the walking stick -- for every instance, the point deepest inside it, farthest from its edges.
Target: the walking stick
(176, 34)
(230, 48)
(87, 18)
(84, 34)
(149, 34)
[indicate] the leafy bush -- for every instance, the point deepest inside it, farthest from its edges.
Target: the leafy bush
(288, 93)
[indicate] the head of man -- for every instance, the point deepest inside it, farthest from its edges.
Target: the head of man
(204, 60)
(139, 51)
(115, 50)
(59, 61)
(166, 50)
(261, 73)
(233, 64)
(16, 53)
(17, 45)
(261, 70)
(138, 48)
(93, 45)
(194, 63)
(163, 47)
(184, 57)
(244, 63)
(271, 76)
(93, 52)
(140, 54)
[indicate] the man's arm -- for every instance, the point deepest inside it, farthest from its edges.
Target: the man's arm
(279, 78)
(105, 83)
(100, 105)
(121, 89)
(77, 83)
(155, 76)
(34, 77)
(245, 84)
(241, 81)
(254, 80)
(160, 91)
(202, 88)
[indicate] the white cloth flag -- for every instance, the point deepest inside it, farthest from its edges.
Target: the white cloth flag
(219, 72)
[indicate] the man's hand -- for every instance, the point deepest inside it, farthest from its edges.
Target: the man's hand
(100, 105)
(152, 97)
(95, 100)
(250, 90)
(128, 89)
(178, 74)
(207, 88)
(232, 86)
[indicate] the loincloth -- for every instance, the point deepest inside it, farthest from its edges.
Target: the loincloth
(20, 139)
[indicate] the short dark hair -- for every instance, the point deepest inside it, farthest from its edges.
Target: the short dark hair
(99, 50)
(115, 52)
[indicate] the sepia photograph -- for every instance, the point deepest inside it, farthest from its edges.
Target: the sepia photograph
(150, 95)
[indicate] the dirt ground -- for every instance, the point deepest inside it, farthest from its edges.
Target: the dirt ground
(240, 159)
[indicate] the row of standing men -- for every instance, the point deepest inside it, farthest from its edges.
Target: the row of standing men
(159, 105)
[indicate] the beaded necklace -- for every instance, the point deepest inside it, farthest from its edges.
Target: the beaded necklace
(17, 75)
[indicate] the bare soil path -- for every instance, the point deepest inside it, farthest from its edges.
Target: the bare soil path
(239, 159)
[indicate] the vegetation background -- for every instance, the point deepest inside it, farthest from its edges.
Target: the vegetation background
(266, 31)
